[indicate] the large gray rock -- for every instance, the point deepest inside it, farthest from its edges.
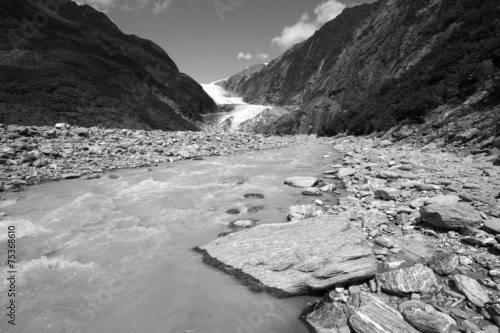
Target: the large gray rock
(450, 217)
(416, 279)
(427, 322)
(295, 258)
(443, 263)
(368, 314)
(472, 290)
(303, 182)
(302, 212)
(326, 317)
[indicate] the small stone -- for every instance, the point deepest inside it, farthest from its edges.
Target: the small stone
(387, 193)
(384, 241)
(311, 191)
(70, 175)
(345, 172)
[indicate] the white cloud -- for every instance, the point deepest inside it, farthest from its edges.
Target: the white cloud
(161, 6)
(306, 26)
(262, 56)
(246, 56)
(126, 5)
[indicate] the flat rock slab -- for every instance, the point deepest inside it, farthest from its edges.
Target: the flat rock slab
(450, 216)
(427, 322)
(416, 279)
(345, 172)
(302, 182)
(369, 314)
(472, 290)
(296, 258)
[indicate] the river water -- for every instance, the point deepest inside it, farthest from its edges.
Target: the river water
(116, 255)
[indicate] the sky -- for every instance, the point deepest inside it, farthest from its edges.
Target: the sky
(214, 39)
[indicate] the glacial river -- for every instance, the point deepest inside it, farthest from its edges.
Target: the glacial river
(116, 255)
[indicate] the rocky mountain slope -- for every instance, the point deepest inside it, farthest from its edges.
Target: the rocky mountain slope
(380, 64)
(74, 65)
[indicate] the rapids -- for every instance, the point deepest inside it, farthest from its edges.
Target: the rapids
(116, 255)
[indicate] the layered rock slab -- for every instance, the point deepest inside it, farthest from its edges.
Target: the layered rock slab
(294, 258)
(368, 314)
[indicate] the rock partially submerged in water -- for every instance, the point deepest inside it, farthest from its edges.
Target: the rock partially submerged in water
(302, 182)
(302, 212)
(295, 258)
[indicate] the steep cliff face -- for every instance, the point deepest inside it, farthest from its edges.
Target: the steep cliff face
(236, 82)
(284, 80)
(72, 64)
(379, 64)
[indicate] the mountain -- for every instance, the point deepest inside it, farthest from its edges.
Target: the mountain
(61, 62)
(378, 65)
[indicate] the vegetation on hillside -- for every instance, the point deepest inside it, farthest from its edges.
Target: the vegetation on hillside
(455, 68)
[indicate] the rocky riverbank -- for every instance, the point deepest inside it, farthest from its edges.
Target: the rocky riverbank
(30, 155)
(412, 247)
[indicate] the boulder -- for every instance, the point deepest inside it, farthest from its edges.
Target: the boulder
(345, 172)
(416, 279)
(443, 263)
(427, 322)
(326, 317)
(443, 200)
(368, 314)
(387, 193)
(302, 212)
(450, 216)
(303, 182)
(295, 258)
(474, 292)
